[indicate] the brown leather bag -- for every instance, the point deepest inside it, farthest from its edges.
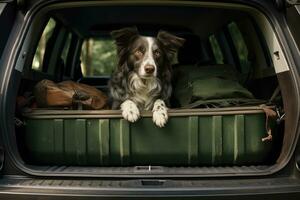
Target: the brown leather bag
(69, 94)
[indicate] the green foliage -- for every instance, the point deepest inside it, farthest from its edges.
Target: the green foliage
(99, 57)
(40, 51)
(240, 46)
(216, 49)
(66, 48)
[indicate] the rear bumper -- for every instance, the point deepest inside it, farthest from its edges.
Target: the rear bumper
(26, 188)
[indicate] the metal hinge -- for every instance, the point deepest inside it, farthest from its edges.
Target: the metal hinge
(280, 115)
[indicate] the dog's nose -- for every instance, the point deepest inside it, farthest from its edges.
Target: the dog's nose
(149, 69)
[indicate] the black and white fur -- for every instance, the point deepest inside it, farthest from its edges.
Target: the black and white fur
(142, 80)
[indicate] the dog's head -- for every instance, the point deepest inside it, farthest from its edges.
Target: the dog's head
(146, 56)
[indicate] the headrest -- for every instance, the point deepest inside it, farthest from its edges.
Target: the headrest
(191, 52)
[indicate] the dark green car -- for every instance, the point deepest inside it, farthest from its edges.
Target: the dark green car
(233, 128)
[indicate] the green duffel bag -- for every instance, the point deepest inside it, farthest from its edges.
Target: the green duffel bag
(199, 87)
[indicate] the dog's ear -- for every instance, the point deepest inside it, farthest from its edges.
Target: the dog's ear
(170, 42)
(124, 36)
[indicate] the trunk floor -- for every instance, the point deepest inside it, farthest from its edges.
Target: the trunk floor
(150, 171)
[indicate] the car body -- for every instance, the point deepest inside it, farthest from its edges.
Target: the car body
(20, 180)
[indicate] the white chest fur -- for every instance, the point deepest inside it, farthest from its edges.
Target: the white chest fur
(144, 91)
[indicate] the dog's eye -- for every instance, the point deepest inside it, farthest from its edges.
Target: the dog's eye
(139, 54)
(156, 53)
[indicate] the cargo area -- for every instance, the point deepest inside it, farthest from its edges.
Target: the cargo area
(231, 111)
(211, 137)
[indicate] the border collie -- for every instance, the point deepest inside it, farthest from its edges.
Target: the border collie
(142, 80)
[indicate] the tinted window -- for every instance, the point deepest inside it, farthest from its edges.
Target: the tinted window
(98, 57)
(40, 51)
(64, 54)
(240, 46)
(216, 49)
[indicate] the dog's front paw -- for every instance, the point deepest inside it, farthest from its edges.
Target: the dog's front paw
(160, 113)
(130, 111)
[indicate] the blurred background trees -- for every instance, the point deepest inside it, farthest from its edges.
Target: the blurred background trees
(40, 51)
(98, 57)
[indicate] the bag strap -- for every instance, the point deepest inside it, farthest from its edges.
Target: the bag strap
(270, 114)
(224, 102)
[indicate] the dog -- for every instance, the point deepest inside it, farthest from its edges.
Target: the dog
(142, 79)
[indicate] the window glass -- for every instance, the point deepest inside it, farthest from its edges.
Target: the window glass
(240, 46)
(98, 57)
(216, 49)
(40, 51)
(64, 54)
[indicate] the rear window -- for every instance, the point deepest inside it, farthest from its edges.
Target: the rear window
(98, 57)
(216, 49)
(37, 63)
(240, 46)
(64, 55)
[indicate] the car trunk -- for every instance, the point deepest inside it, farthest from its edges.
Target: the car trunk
(206, 137)
(234, 140)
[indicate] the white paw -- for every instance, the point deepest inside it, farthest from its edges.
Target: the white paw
(130, 111)
(160, 113)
